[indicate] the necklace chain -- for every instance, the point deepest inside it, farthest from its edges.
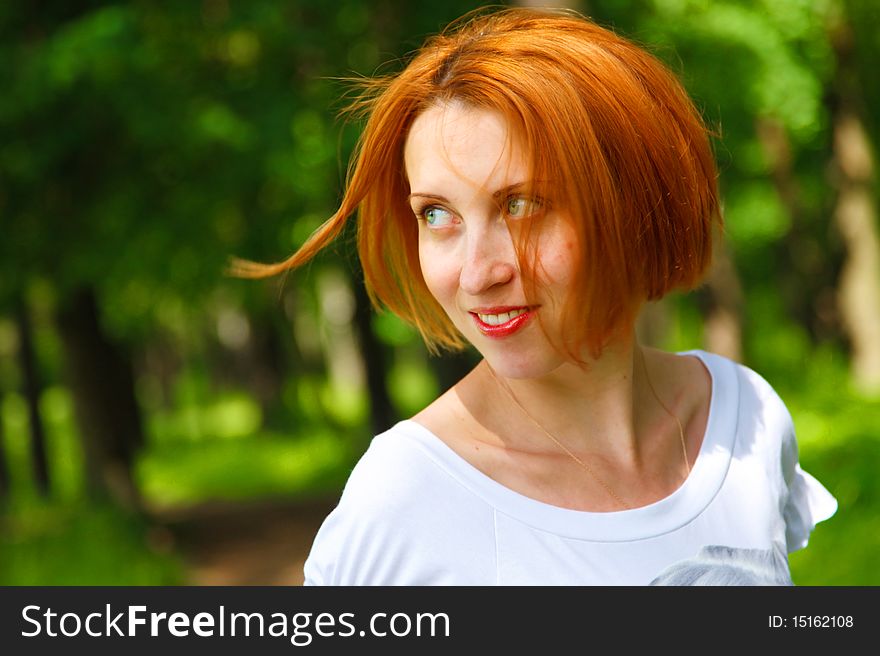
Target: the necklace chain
(684, 451)
(574, 457)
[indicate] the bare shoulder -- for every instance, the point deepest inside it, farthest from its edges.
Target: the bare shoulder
(447, 417)
(452, 418)
(686, 374)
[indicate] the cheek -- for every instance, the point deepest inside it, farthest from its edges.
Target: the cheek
(439, 272)
(559, 257)
(568, 258)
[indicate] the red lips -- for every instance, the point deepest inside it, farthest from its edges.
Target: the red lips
(505, 329)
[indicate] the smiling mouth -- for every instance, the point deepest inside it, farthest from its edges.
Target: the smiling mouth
(501, 318)
(502, 322)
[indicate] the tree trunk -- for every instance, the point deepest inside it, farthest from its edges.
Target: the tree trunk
(268, 357)
(722, 301)
(102, 382)
(856, 219)
(807, 279)
(375, 354)
(32, 389)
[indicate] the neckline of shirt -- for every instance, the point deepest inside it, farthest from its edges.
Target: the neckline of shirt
(663, 516)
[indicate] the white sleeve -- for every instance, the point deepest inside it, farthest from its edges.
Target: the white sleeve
(807, 502)
(362, 541)
(402, 520)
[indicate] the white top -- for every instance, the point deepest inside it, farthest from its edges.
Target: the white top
(414, 512)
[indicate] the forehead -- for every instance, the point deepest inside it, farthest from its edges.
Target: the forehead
(453, 143)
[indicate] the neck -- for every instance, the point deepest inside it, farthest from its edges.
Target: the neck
(601, 410)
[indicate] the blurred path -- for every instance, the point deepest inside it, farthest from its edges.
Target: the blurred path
(264, 543)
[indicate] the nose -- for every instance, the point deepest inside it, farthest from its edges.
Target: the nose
(490, 259)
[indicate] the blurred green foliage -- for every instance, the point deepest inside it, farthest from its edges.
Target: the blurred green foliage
(836, 432)
(79, 544)
(142, 144)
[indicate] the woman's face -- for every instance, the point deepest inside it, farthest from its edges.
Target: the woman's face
(468, 190)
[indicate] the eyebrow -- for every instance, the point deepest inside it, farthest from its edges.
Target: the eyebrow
(501, 193)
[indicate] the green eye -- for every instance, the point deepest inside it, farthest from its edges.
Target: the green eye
(520, 206)
(436, 216)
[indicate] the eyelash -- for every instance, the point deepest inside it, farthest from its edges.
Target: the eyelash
(421, 212)
(540, 205)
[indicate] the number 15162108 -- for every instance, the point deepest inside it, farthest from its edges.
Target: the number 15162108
(810, 622)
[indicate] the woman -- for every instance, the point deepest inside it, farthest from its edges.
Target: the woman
(524, 186)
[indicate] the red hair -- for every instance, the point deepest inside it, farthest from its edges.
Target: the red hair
(609, 129)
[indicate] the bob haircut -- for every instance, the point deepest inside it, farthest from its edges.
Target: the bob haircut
(611, 133)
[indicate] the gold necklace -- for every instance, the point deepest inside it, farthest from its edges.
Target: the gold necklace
(684, 451)
(580, 462)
